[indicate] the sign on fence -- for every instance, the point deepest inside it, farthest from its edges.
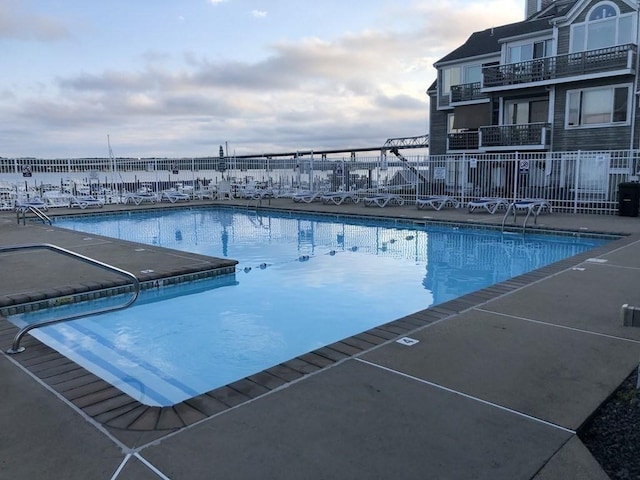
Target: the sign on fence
(439, 173)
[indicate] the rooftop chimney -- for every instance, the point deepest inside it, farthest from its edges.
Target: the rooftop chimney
(534, 6)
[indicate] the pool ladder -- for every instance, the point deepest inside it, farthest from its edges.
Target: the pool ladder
(35, 210)
(530, 210)
(15, 347)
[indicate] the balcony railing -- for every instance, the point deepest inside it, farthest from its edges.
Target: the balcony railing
(533, 135)
(463, 141)
(552, 68)
(466, 92)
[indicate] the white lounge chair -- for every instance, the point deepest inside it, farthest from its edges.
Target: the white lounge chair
(139, 197)
(490, 204)
(84, 201)
(223, 191)
(382, 200)
(256, 192)
(174, 195)
(35, 202)
(208, 192)
(532, 205)
(307, 197)
(437, 202)
(338, 198)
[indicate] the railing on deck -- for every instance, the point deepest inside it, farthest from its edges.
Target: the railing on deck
(514, 136)
(602, 60)
(467, 92)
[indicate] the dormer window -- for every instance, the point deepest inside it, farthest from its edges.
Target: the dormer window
(602, 11)
(604, 27)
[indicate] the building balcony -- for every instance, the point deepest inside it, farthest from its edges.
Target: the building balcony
(599, 63)
(529, 136)
(467, 93)
(463, 141)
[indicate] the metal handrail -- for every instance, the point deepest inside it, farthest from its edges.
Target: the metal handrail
(15, 347)
(530, 210)
(39, 213)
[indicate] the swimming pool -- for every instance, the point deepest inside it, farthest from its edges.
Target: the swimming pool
(302, 282)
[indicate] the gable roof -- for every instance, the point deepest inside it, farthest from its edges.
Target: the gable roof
(488, 41)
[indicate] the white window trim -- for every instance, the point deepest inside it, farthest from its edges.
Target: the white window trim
(529, 41)
(600, 125)
(463, 81)
(584, 24)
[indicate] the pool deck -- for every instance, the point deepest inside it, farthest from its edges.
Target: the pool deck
(496, 387)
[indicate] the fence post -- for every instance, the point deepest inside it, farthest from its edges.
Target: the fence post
(576, 180)
(516, 174)
(463, 173)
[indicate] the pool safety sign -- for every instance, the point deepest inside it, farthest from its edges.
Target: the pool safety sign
(406, 341)
(524, 166)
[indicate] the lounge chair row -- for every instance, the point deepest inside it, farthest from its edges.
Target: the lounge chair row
(436, 202)
(488, 204)
(341, 197)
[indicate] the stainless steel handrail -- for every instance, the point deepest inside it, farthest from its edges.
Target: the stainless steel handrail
(15, 347)
(532, 209)
(39, 213)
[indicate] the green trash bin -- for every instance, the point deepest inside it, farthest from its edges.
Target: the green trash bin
(628, 199)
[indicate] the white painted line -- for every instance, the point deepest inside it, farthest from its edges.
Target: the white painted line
(121, 466)
(151, 467)
(470, 397)
(597, 260)
(147, 271)
(579, 269)
(565, 327)
(75, 408)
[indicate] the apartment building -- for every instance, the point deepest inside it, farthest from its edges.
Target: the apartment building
(563, 79)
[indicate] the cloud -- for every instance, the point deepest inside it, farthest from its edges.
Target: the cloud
(15, 24)
(258, 13)
(355, 90)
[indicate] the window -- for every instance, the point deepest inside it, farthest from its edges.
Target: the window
(473, 74)
(529, 51)
(598, 106)
(450, 122)
(450, 77)
(460, 76)
(520, 112)
(604, 27)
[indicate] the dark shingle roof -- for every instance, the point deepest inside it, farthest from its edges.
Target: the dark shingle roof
(487, 41)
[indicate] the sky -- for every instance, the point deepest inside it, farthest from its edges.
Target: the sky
(179, 78)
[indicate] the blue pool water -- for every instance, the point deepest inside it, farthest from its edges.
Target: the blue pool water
(302, 282)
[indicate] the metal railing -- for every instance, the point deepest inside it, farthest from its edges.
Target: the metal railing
(574, 181)
(21, 212)
(467, 92)
(15, 347)
(602, 60)
(528, 134)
